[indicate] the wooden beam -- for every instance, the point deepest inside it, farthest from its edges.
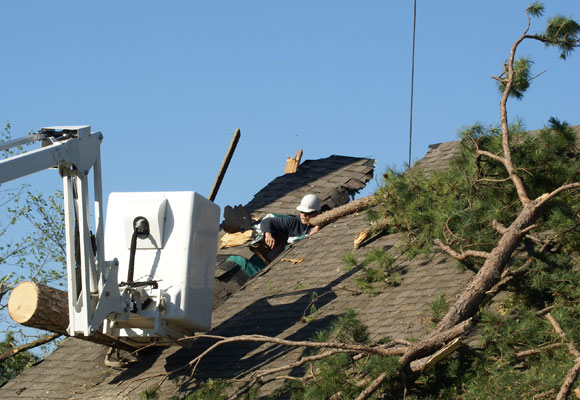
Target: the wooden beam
(225, 164)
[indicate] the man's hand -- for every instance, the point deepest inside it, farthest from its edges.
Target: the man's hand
(314, 230)
(269, 239)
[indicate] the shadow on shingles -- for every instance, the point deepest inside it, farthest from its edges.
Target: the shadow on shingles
(146, 359)
(375, 238)
(262, 318)
(240, 368)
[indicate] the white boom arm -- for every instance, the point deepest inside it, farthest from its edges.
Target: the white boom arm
(169, 289)
(75, 151)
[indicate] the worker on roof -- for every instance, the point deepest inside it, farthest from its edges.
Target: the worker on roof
(292, 227)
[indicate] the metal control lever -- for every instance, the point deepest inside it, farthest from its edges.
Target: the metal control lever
(141, 231)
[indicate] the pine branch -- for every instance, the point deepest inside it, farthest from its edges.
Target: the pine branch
(434, 340)
(495, 157)
(346, 209)
(29, 346)
(463, 255)
(541, 349)
(546, 197)
(558, 329)
(569, 381)
(509, 82)
(380, 350)
(258, 375)
(372, 387)
(507, 276)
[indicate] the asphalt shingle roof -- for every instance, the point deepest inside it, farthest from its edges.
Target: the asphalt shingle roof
(272, 303)
(335, 179)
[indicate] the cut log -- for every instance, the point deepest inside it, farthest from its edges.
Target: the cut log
(346, 209)
(43, 307)
(39, 306)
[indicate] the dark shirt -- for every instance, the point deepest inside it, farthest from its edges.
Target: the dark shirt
(290, 225)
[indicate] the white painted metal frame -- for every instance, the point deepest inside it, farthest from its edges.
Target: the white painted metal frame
(75, 154)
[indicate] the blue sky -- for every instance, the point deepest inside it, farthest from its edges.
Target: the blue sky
(169, 82)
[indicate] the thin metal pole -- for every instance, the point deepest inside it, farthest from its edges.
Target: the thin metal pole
(412, 80)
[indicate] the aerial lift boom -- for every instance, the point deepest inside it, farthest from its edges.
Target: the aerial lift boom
(168, 240)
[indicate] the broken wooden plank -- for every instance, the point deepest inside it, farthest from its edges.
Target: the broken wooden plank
(292, 163)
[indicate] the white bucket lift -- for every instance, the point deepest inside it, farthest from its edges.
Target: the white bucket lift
(171, 292)
(151, 275)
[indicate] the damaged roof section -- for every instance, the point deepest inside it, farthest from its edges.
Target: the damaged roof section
(335, 180)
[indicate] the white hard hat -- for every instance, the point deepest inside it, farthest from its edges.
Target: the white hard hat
(309, 203)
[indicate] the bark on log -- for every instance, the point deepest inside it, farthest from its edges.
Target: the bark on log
(43, 307)
(39, 306)
(468, 302)
(346, 209)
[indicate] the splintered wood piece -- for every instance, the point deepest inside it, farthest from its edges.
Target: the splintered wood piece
(375, 228)
(293, 260)
(235, 239)
(292, 163)
(443, 353)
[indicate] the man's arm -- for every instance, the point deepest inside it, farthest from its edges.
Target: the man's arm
(275, 225)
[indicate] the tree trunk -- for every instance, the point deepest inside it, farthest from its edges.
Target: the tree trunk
(346, 209)
(468, 302)
(43, 307)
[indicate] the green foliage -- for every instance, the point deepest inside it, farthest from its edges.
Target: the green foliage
(38, 254)
(439, 307)
(522, 78)
(308, 316)
(520, 355)
(210, 389)
(349, 261)
(536, 9)
(342, 372)
(378, 269)
(458, 205)
(562, 32)
(151, 393)
(12, 366)
(345, 329)
(43, 253)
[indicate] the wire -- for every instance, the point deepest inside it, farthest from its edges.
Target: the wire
(412, 80)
